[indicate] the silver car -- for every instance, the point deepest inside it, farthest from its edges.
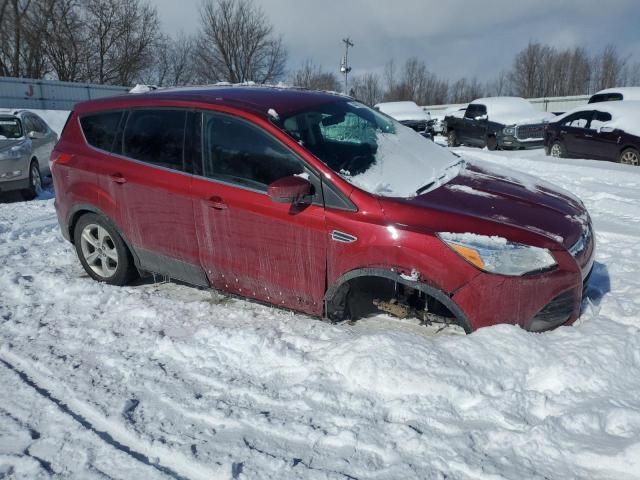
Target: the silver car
(26, 142)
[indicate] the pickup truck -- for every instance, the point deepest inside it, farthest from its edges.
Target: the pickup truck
(498, 122)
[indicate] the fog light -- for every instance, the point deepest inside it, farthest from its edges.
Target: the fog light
(13, 174)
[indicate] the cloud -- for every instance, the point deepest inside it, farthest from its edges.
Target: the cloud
(454, 37)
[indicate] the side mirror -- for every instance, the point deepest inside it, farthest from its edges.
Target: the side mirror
(605, 129)
(482, 117)
(290, 189)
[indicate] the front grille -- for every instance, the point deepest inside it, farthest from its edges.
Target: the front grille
(417, 125)
(530, 132)
(557, 312)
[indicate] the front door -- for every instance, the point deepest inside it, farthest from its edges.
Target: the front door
(249, 244)
(574, 133)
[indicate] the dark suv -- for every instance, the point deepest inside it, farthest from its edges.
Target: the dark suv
(314, 202)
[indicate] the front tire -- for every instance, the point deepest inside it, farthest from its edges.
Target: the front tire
(452, 139)
(557, 150)
(35, 182)
(102, 252)
(630, 156)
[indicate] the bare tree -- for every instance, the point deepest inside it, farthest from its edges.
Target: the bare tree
(12, 43)
(64, 37)
(122, 40)
(237, 43)
(368, 88)
(312, 76)
(608, 68)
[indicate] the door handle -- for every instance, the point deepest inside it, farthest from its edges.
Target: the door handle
(117, 178)
(216, 203)
(588, 136)
(563, 132)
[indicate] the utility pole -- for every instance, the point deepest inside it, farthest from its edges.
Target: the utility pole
(344, 65)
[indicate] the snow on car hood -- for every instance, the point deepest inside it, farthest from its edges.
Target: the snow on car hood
(502, 195)
(406, 162)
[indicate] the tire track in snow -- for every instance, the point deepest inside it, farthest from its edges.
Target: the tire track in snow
(180, 469)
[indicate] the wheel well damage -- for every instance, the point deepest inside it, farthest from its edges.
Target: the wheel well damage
(364, 292)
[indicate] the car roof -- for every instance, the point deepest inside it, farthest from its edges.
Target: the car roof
(251, 98)
(615, 108)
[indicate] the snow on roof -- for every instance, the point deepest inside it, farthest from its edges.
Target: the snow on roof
(403, 110)
(512, 110)
(629, 93)
(624, 115)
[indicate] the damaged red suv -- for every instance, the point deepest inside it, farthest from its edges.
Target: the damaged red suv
(314, 202)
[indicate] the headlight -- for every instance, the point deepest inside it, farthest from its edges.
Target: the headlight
(498, 255)
(509, 131)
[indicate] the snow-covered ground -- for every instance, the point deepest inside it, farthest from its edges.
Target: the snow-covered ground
(168, 381)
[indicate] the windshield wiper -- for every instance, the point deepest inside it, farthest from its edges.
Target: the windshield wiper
(421, 190)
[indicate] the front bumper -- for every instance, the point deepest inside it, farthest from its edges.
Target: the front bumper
(508, 141)
(536, 302)
(14, 174)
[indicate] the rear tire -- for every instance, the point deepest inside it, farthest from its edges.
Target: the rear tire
(102, 252)
(492, 143)
(35, 182)
(452, 139)
(557, 150)
(630, 156)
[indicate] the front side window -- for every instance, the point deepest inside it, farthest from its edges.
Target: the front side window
(100, 129)
(10, 128)
(578, 120)
(475, 110)
(237, 152)
(155, 137)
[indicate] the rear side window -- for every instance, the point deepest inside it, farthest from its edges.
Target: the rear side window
(605, 97)
(599, 119)
(156, 137)
(100, 129)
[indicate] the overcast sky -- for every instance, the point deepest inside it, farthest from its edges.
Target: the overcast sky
(454, 37)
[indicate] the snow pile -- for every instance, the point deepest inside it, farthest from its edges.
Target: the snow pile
(512, 110)
(167, 381)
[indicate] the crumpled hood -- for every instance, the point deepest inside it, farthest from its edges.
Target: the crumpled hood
(510, 198)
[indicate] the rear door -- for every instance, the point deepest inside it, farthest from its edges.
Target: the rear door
(147, 189)
(249, 244)
(573, 133)
(602, 145)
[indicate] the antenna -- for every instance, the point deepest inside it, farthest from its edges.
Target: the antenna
(344, 64)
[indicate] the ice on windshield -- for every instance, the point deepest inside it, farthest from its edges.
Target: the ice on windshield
(371, 151)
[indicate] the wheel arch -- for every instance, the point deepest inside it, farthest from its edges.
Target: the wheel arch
(394, 275)
(82, 209)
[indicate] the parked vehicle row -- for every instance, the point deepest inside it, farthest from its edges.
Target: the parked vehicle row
(223, 187)
(498, 122)
(602, 130)
(26, 142)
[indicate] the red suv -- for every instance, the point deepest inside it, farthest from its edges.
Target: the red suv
(314, 202)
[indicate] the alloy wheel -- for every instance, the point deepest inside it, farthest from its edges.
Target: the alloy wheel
(99, 250)
(556, 151)
(630, 158)
(36, 180)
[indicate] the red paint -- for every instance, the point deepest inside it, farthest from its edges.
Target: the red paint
(277, 252)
